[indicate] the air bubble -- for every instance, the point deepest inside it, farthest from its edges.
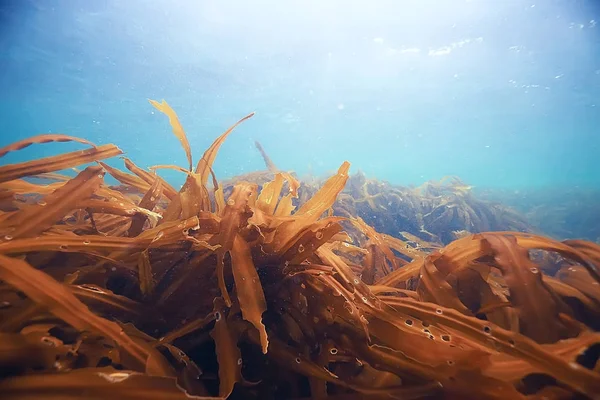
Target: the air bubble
(487, 329)
(364, 299)
(4, 304)
(319, 235)
(217, 316)
(408, 322)
(534, 270)
(356, 281)
(300, 248)
(86, 242)
(152, 198)
(439, 311)
(298, 360)
(333, 351)
(8, 237)
(446, 338)
(450, 362)
(511, 342)
(425, 324)
(231, 202)
(41, 203)
(63, 247)
(239, 361)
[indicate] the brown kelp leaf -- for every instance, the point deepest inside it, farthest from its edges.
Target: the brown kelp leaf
(538, 310)
(22, 351)
(235, 217)
(168, 166)
(176, 125)
(376, 238)
(269, 195)
(303, 245)
(148, 202)
(145, 273)
(207, 160)
(313, 209)
(577, 252)
(249, 289)
(434, 288)
(56, 163)
(35, 219)
(188, 328)
(270, 166)
(125, 178)
(61, 302)
(94, 384)
(97, 296)
(150, 178)
(228, 354)
(219, 195)
(480, 333)
(46, 138)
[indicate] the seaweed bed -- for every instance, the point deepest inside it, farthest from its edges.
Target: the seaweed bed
(268, 289)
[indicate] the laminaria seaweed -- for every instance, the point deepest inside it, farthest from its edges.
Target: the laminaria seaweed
(247, 291)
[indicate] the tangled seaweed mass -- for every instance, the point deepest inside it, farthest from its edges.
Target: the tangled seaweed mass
(247, 291)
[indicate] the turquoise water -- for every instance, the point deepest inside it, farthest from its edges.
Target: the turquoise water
(501, 93)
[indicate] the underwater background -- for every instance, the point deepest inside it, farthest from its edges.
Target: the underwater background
(504, 95)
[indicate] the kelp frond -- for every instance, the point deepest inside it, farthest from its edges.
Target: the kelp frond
(277, 290)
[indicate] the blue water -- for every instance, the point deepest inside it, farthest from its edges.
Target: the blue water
(501, 93)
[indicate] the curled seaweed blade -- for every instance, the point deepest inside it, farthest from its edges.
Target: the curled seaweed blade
(94, 383)
(269, 195)
(235, 217)
(46, 138)
(35, 219)
(150, 178)
(270, 165)
(207, 160)
(61, 302)
(166, 109)
(249, 289)
(148, 202)
(228, 354)
(538, 309)
(313, 209)
(125, 178)
(145, 274)
(56, 163)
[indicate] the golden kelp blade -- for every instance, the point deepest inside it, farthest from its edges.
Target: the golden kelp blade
(35, 219)
(56, 163)
(47, 138)
(166, 109)
(207, 160)
(94, 384)
(61, 302)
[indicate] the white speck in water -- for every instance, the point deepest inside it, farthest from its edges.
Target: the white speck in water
(340, 106)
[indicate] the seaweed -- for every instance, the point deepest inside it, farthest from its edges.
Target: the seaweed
(267, 287)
